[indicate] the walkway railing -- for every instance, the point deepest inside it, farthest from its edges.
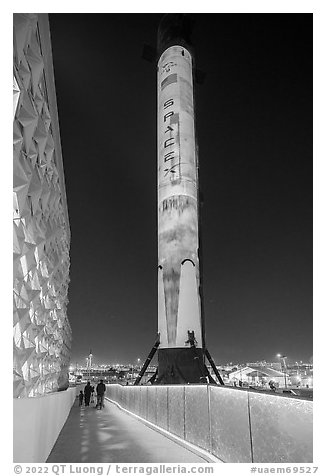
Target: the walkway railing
(235, 425)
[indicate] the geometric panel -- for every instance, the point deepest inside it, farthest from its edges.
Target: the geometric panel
(41, 330)
(16, 94)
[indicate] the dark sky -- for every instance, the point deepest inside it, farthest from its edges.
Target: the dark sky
(254, 129)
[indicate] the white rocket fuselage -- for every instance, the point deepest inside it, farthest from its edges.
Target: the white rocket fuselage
(179, 309)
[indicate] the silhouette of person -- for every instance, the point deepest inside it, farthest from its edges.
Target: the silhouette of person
(81, 398)
(100, 390)
(87, 393)
(92, 394)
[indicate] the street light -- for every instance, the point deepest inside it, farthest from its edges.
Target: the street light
(283, 357)
(87, 363)
(297, 364)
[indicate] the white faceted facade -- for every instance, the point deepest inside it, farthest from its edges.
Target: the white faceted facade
(41, 330)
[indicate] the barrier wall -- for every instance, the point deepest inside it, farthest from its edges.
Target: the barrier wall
(235, 425)
(37, 424)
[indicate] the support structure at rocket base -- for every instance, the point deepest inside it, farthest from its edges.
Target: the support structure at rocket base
(180, 352)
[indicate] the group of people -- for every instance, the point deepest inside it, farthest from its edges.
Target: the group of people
(88, 395)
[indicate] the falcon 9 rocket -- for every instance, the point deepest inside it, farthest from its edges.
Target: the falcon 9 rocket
(180, 353)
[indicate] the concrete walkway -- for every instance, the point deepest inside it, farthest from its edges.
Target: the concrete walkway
(112, 436)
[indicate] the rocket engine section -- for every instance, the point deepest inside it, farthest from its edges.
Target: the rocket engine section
(179, 315)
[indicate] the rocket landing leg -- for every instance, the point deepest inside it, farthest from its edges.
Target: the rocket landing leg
(179, 366)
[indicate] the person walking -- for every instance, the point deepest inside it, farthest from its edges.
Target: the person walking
(81, 398)
(92, 394)
(100, 390)
(87, 393)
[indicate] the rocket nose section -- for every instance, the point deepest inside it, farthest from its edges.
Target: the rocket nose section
(174, 27)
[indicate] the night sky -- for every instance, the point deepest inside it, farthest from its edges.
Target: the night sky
(254, 130)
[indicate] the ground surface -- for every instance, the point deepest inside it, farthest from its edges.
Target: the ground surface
(112, 436)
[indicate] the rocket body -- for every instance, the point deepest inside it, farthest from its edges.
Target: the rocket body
(179, 309)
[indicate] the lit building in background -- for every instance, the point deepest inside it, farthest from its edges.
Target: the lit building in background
(41, 330)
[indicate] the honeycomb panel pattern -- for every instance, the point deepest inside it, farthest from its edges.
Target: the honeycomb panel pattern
(41, 237)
